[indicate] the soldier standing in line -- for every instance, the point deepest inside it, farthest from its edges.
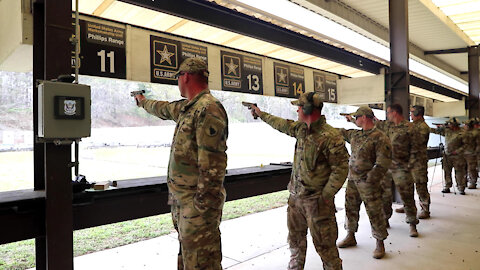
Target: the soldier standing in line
(319, 170)
(419, 170)
(405, 146)
(470, 154)
(196, 169)
(476, 134)
(453, 154)
(371, 156)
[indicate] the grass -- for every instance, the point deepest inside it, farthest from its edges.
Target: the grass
(21, 255)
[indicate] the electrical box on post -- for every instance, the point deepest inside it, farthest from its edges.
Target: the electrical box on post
(63, 110)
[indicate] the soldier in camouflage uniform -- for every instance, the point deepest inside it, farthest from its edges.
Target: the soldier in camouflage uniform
(476, 134)
(197, 165)
(470, 154)
(419, 170)
(453, 155)
(319, 171)
(405, 147)
(371, 156)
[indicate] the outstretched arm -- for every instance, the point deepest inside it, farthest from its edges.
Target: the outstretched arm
(288, 127)
(162, 109)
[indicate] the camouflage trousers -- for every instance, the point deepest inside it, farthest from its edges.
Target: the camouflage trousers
(404, 183)
(370, 194)
(387, 194)
(420, 177)
(199, 237)
(456, 162)
(472, 173)
(478, 163)
(319, 217)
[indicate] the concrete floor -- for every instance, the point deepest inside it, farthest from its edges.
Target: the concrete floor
(450, 239)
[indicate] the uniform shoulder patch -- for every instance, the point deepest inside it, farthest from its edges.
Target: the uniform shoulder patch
(213, 126)
(212, 131)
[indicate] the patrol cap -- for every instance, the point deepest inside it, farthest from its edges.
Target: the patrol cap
(363, 110)
(452, 122)
(193, 65)
(470, 122)
(311, 97)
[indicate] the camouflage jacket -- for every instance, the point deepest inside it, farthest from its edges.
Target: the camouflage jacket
(198, 158)
(405, 142)
(454, 140)
(320, 163)
(371, 154)
(476, 134)
(470, 142)
(423, 131)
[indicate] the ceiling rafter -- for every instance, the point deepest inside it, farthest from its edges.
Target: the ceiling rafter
(102, 7)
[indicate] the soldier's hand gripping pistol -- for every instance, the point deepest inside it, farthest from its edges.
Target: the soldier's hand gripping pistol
(250, 107)
(134, 93)
(348, 116)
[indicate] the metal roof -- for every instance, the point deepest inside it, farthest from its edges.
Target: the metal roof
(465, 14)
(429, 30)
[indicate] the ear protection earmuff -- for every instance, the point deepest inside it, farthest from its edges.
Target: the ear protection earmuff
(416, 111)
(307, 108)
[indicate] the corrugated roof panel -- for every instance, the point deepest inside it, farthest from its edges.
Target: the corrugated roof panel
(260, 47)
(466, 14)
(188, 29)
(121, 11)
(458, 7)
(427, 31)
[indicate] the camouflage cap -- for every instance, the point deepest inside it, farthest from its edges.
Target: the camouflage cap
(315, 100)
(452, 122)
(471, 122)
(363, 110)
(193, 65)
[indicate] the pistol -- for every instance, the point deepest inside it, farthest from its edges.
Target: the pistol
(139, 92)
(134, 93)
(249, 106)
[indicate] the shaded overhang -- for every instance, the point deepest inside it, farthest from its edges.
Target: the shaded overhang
(233, 25)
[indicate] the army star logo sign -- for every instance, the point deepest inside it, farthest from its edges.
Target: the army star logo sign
(166, 54)
(319, 83)
(281, 75)
(231, 66)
